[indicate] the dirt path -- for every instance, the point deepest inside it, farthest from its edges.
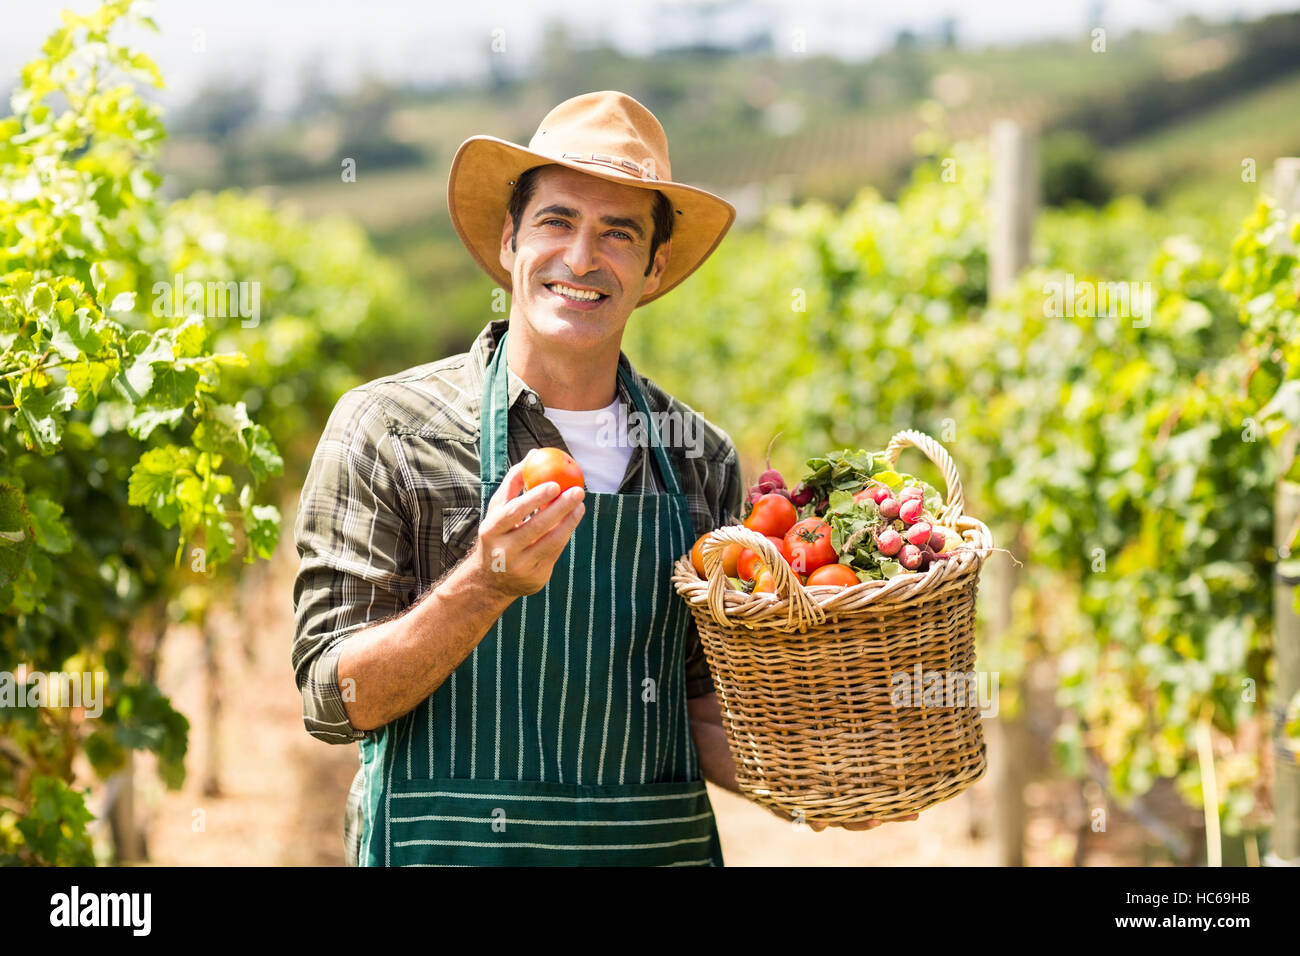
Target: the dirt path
(284, 792)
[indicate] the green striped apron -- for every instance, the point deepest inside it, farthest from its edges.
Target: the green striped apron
(563, 739)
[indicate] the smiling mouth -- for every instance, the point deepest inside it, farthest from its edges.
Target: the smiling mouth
(575, 295)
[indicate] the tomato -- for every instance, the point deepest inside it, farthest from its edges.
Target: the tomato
(810, 545)
(764, 582)
(749, 561)
(551, 464)
(772, 515)
(730, 555)
(837, 575)
(697, 554)
(747, 564)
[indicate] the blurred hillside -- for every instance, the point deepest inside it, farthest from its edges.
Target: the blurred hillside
(1164, 115)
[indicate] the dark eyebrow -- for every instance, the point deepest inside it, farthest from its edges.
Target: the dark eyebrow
(622, 222)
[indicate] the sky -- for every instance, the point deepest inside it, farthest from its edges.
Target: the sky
(431, 42)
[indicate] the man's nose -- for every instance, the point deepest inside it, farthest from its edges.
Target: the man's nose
(578, 256)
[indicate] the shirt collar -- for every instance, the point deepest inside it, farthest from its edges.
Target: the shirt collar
(481, 353)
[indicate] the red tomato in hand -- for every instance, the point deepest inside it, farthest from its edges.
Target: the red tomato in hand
(810, 545)
(551, 464)
(772, 515)
(750, 561)
(836, 575)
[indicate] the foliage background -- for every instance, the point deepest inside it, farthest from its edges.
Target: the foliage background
(1131, 465)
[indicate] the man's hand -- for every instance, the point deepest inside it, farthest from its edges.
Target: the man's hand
(524, 533)
(818, 827)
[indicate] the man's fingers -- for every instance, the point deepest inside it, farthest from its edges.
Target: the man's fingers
(512, 485)
(529, 546)
(862, 824)
(514, 480)
(551, 511)
(553, 526)
(513, 512)
(516, 511)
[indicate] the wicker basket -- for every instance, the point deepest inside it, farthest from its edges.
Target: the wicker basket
(820, 686)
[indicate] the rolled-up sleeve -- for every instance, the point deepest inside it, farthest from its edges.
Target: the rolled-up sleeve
(354, 544)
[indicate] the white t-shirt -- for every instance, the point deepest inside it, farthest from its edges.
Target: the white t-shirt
(597, 440)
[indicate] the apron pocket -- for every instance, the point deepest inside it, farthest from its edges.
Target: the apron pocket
(458, 822)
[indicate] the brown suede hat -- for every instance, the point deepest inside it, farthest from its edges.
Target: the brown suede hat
(606, 134)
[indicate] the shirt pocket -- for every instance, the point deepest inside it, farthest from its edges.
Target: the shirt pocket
(459, 529)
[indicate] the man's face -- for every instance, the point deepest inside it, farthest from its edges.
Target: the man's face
(585, 233)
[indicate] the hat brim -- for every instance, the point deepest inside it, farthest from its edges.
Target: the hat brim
(478, 196)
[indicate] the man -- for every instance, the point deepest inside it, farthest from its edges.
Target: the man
(525, 685)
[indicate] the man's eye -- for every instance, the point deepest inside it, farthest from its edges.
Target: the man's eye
(616, 233)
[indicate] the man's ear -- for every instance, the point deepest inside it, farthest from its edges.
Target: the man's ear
(657, 270)
(507, 254)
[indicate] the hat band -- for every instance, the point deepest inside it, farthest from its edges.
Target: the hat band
(622, 165)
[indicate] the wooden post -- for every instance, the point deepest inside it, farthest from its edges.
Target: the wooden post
(128, 839)
(1285, 849)
(1014, 203)
(212, 760)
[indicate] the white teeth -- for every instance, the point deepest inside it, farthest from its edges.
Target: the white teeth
(572, 293)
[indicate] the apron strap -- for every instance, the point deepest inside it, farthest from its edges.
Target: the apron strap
(494, 421)
(666, 470)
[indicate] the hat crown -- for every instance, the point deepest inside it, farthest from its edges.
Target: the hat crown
(608, 129)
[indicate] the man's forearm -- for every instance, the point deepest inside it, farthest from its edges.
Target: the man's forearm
(395, 665)
(716, 763)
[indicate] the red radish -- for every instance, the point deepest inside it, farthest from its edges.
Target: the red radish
(937, 539)
(889, 541)
(919, 533)
(889, 508)
(878, 493)
(911, 510)
(912, 491)
(802, 495)
(910, 557)
(771, 480)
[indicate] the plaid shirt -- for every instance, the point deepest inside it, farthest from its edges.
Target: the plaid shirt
(391, 504)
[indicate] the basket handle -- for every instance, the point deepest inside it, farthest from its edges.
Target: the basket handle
(803, 610)
(956, 502)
